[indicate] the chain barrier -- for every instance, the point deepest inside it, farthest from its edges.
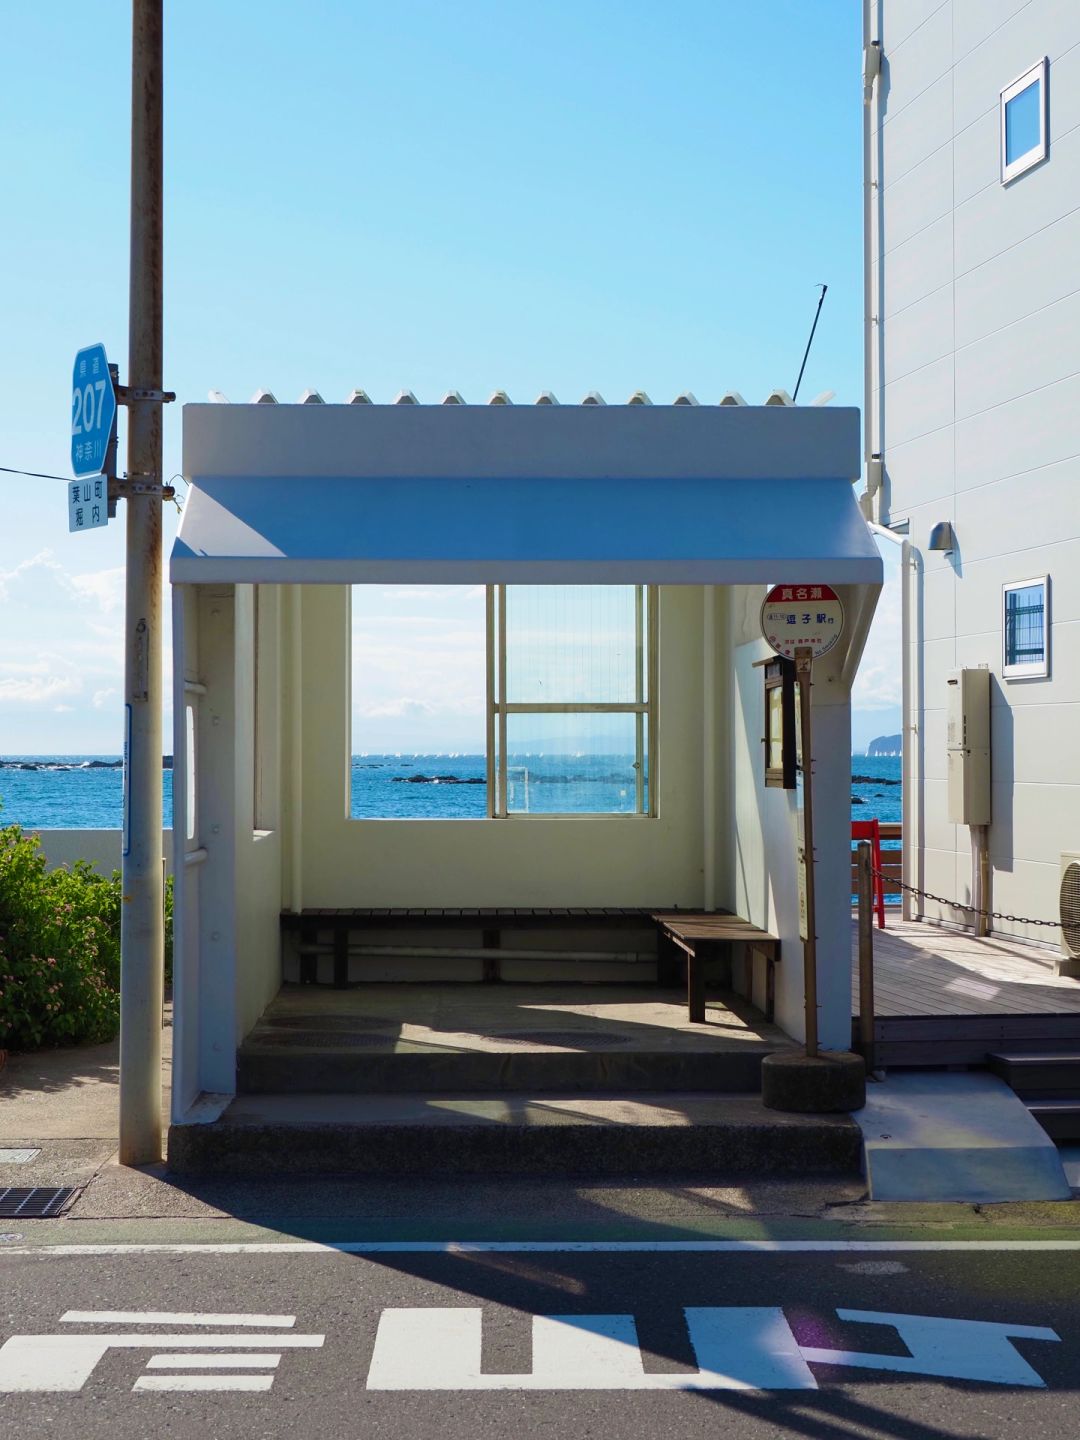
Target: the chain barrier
(893, 883)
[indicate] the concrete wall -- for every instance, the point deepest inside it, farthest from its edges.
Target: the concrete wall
(101, 847)
(978, 391)
(587, 860)
(226, 944)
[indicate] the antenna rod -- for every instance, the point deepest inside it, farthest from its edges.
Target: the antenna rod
(817, 317)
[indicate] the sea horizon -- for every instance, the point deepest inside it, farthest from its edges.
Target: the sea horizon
(40, 791)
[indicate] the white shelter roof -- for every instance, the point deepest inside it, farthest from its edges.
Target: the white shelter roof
(589, 494)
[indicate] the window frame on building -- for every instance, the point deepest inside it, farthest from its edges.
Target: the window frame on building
(642, 708)
(1013, 669)
(1037, 74)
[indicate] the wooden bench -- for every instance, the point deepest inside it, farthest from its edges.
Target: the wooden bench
(490, 922)
(700, 935)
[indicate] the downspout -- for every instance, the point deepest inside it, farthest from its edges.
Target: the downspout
(908, 725)
(871, 458)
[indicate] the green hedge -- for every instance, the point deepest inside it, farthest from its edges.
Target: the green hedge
(59, 948)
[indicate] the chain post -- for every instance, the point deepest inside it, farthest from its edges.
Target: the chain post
(864, 871)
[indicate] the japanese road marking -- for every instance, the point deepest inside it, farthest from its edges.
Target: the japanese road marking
(546, 1247)
(737, 1348)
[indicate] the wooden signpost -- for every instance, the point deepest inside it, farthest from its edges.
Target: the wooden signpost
(802, 623)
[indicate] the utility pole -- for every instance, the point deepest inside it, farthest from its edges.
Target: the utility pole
(142, 921)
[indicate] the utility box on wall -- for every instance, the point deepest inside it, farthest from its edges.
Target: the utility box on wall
(967, 740)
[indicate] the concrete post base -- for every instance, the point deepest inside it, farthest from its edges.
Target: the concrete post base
(831, 1082)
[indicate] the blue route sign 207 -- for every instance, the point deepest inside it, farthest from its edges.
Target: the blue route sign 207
(93, 409)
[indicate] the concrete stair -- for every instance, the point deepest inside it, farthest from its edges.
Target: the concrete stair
(501, 1039)
(1048, 1084)
(583, 1135)
(396, 1067)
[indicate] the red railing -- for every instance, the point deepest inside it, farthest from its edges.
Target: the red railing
(891, 832)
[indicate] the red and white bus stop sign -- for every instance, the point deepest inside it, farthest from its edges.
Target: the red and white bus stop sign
(802, 617)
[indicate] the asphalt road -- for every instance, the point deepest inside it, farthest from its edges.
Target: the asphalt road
(629, 1343)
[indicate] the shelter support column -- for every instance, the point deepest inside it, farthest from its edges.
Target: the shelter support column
(292, 813)
(215, 799)
(708, 735)
(832, 845)
(187, 851)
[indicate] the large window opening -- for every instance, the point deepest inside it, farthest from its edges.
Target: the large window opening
(503, 701)
(571, 699)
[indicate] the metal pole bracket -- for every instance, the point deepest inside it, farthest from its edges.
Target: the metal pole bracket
(137, 395)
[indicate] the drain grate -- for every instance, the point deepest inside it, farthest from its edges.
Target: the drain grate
(563, 1039)
(324, 1022)
(39, 1202)
(318, 1040)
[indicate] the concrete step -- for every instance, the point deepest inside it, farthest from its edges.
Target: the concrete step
(582, 1135)
(1060, 1117)
(1039, 1076)
(398, 1067)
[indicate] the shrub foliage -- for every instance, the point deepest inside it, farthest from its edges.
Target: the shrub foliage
(59, 948)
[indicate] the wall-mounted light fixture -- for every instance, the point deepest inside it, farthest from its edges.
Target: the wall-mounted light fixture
(942, 537)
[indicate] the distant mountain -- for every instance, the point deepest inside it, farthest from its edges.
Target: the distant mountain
(885, 745)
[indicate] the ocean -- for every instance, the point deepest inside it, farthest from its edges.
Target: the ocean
(85, 792)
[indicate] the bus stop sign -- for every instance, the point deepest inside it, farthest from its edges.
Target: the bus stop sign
(802, 617)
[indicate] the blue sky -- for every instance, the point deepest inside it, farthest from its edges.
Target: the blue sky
(560, 196)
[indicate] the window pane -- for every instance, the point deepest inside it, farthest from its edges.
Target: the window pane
(419, 681)
(573, 644)
(1025, 629)
(1022, 122)
(575, 764)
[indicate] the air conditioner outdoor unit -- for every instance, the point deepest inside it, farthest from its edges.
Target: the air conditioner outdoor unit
(1069, 913)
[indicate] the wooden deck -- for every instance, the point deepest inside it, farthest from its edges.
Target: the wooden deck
(922, 969)
(942, 997)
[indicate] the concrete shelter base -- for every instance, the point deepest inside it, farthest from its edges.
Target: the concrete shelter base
(832, 1082)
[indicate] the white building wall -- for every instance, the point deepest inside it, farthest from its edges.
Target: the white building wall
(582, 861)
(977, 389)
(227, 952)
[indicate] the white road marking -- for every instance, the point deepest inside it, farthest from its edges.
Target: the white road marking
(65, 1362)
(738, 1348)
(546, 1247)
(875, 1267)
(954, 1349)
(203, 1382)
(219, 1360)
(168, 1317)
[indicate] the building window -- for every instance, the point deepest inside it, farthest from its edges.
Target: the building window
(1024, 130)
(571, 686)
(1026, 620)
(503, 701)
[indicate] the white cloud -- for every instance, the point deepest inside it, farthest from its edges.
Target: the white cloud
(62, 644)
(405, 707)
(38, 689)
(104, 587)
(43, 561)
(878, 684)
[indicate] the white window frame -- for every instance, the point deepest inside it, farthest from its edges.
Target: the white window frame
(1039, 669)
(643, 708)
(1037, 74)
